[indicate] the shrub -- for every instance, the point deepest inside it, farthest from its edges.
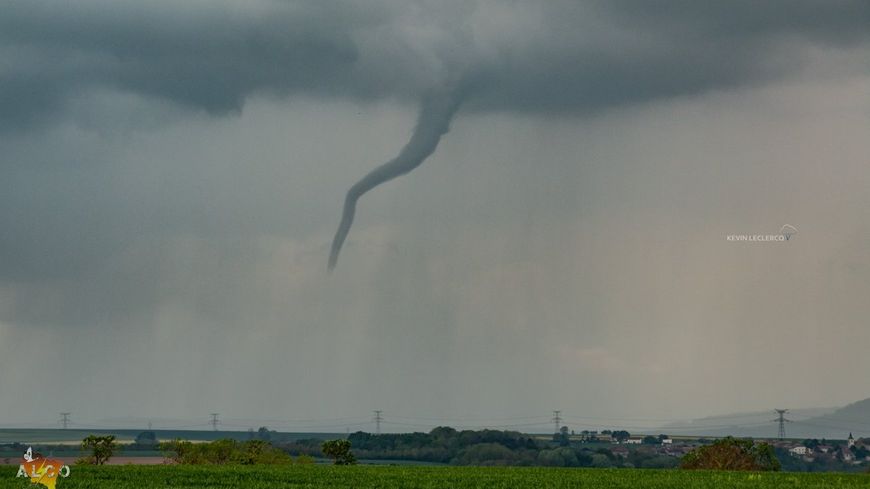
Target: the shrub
(559, 457)
(102, 448)
(339, 452)
(732, 454)
(304, 459)
(255, 452)
(224, 452)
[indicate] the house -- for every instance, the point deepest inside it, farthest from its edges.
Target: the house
(824, 448)
(677, 450)
(620, 451)
(633, 441)
(667, 441)
(799, 451)
(848, 456)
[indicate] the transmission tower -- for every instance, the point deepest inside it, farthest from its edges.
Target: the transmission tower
(557, 419)
(214, 421)
(64, 419)
(781, 419)
(377, 419)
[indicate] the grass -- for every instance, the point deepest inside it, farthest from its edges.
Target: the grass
(362, 477)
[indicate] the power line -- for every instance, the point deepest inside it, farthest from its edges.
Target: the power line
(568, 420)
(782, 421)
(469, 419)
(557, 419)
(292, 421)
(327, 428)
(536, 424)
(377, 419)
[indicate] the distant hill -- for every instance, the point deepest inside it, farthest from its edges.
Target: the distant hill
(831, 423)
(854, 418)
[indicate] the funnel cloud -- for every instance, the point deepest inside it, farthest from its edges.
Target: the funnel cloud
(433, 121)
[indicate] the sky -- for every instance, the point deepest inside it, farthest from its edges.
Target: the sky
(174, 173)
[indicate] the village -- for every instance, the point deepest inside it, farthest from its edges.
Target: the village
(820, 453)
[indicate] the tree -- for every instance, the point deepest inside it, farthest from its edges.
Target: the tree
(443, 432)
(254, 452)
(146, 439)
(486, 454)
(264, 434)
(220, 451)
(562, 437)
(860, 451)
(339, 452)
(732, 454)
(102, 448)
(559, 457)
(620, 436)
(601, 461)
(814, 443)
(650, 440)
(179, 451)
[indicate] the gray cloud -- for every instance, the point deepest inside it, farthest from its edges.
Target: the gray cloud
(173, 172)
(210, 57)
(72, 203)
(558, 57)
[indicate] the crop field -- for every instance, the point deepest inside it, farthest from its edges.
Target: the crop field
(314, 476)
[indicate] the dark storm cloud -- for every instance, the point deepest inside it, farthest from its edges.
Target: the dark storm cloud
(559, 56)
(172, 172)
(210, 57)
(618, 53)
(836, 21)
(63, 214)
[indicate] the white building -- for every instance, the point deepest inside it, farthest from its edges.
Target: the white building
(799, 451)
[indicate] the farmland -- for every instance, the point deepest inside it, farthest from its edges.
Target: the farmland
(315, 476)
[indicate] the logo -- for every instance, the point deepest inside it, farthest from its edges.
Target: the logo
(41, 470)
(786, 232)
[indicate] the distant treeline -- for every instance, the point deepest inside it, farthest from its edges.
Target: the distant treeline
(228, 452)
(485, 447)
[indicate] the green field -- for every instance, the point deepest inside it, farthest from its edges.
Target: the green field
(311, 476)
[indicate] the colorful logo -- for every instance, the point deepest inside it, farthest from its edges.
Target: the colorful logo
(42, 470)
